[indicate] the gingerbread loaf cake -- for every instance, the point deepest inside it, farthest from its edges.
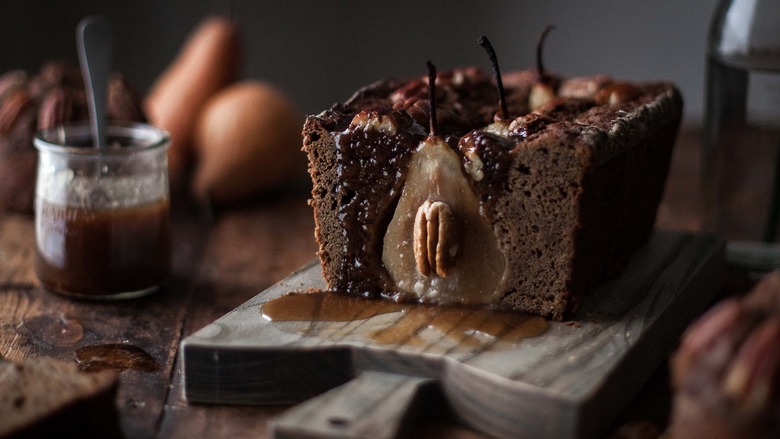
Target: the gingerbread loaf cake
(526, 212)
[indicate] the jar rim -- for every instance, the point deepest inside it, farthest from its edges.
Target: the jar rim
(60, 139)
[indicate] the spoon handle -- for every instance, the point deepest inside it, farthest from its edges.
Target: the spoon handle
(94, 38)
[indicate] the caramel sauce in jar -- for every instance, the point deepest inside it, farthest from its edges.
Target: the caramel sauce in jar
(103, 252)
(467, 326)
(102, 215)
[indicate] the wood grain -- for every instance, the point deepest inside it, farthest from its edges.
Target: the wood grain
(36, 323)
(374, 405)
(569, 382)
(246, 251)
(17, 253)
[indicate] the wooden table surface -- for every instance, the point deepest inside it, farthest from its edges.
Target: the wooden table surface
(220, 262)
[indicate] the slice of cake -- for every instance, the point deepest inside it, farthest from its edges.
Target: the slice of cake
(526, 213)
(43, 398)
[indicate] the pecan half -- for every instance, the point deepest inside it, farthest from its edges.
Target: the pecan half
(726, 372)
(56, 108)
(123, 104)
(617, 93)
(11, 108)
(435, 238)
(11, 81)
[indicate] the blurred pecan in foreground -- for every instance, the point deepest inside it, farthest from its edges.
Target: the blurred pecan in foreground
(726, 372)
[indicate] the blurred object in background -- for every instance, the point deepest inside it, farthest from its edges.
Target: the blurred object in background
(320, 52)
(231, 140)
(741, 150)
(208, 61)
(247, 141)
(35, 102)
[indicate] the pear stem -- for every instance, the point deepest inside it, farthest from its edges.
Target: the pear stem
(432, 97)
(485, 43)
(539, 46)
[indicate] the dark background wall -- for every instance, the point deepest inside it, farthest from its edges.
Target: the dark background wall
(320, 51)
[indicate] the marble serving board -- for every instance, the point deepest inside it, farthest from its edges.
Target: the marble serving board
(570, 381)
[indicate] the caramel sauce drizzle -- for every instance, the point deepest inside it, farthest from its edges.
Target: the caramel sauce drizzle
(466, 326)
(115, 356)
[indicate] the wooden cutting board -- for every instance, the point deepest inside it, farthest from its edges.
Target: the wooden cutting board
(570, 381)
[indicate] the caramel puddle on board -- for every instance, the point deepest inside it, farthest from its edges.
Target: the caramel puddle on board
(115, 356)
(463, 325)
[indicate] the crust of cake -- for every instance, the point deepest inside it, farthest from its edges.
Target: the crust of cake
(590, 197)
(321, 148)
(578, 196)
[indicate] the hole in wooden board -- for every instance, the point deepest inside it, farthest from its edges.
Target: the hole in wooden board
(338, 421)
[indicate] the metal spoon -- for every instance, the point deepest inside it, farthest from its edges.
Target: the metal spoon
(94, 38)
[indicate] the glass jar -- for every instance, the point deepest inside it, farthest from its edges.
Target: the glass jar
(102, 216)
(741, 148)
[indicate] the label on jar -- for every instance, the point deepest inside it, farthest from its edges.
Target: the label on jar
(51, 230)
